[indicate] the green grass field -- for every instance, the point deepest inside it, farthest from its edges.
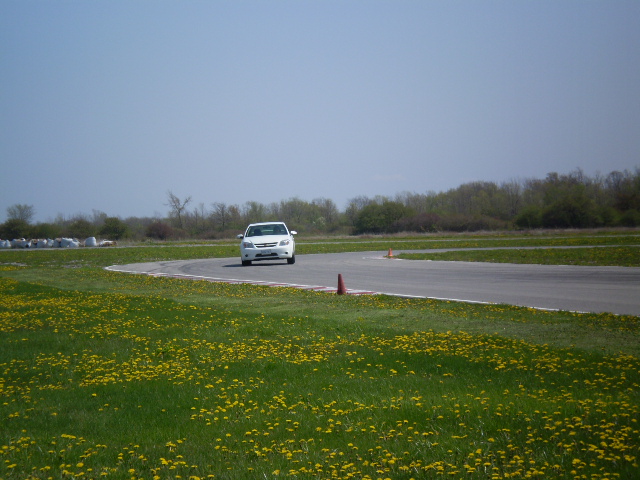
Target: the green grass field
(108, 375)
(627, 256)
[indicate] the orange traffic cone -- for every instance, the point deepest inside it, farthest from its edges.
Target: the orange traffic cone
(390, 254)
(341, 289)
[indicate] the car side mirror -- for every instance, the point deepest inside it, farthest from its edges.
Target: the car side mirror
(293, 232)
(240, 235)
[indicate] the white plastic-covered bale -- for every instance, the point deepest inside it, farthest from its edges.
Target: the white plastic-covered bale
(68, 243)
(90, 242)
(20, 243)
(5, 244)
(42, 243)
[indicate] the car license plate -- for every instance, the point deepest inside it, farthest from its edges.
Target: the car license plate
(266, 252)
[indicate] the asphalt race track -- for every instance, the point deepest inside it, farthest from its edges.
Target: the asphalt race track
(575, 288)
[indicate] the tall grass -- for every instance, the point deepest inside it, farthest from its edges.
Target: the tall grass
(105, 375)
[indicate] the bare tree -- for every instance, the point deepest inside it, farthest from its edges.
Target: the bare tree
(512, 191)
(293, 210)
(199, 216)
(327, 209)
(177, 206)
(355, 206)
(98, 217)
(20, 212)
(235, 217)
(253, 212)
(220, 215)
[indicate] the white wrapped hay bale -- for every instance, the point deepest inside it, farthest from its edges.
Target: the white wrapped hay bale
(69, 243)
(20, 243)
(90, 242)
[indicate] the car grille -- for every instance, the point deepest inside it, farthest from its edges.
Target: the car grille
(266, 245)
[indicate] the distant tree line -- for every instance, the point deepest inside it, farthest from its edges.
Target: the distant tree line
(558, 201)
(571, 200)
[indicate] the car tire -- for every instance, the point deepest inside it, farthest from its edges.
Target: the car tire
(291, 260)
(246, 263)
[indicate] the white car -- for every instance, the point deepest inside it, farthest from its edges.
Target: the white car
(267, 241)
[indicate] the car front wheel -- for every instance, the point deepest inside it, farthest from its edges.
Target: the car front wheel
(246, 263)
(291, 260)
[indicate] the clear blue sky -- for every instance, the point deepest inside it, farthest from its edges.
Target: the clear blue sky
(107, 105)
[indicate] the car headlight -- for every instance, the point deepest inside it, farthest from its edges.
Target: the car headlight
(247, 244)
(284, 242)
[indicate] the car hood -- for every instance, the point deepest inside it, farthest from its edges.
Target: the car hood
(267, 238)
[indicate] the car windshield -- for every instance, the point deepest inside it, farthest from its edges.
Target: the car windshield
(267, 229)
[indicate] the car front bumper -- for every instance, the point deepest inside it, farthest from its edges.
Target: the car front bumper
(272, 253)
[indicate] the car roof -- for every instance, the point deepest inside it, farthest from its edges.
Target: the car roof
(264, 223)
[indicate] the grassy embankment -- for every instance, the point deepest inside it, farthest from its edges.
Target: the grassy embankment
(106, 375)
